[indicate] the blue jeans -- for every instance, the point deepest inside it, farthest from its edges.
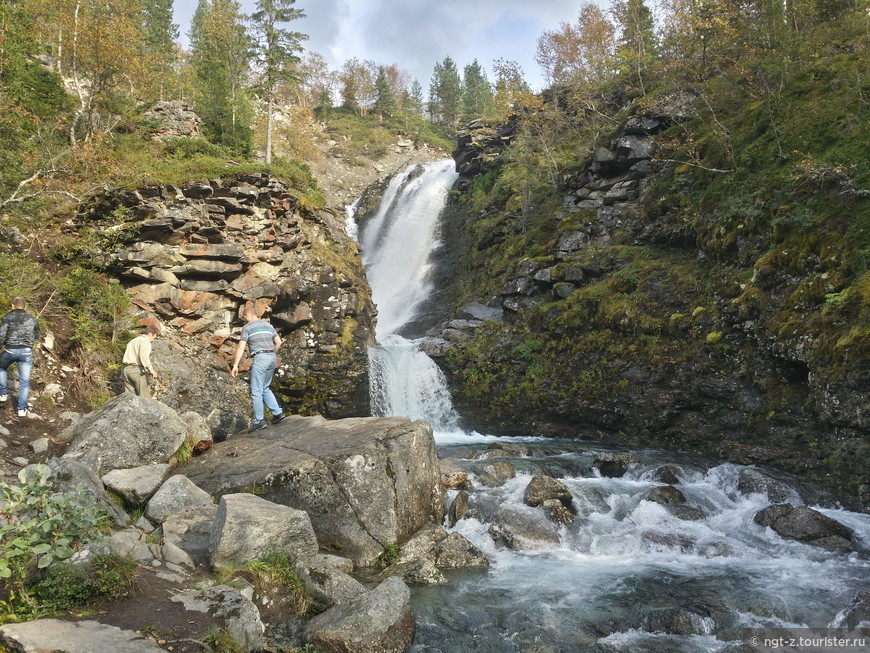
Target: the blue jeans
(262, 369)
(24, 359)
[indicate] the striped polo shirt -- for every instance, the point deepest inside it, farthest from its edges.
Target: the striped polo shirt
(259, 335)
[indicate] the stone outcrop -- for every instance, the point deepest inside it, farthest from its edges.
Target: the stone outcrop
(191, 256)
(175, 119)
(479, 143)
(366, 484)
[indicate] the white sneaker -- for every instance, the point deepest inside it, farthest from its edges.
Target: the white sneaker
(22, 413)
(4, 397)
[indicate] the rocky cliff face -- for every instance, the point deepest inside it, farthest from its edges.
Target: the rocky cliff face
(630, 325)
(190, 257)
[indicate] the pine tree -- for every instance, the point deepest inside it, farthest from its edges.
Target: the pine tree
(220, 53)
(275, 51)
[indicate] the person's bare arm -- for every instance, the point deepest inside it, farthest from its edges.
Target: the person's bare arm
(240, 351)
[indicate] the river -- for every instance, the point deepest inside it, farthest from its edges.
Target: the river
(626, 574)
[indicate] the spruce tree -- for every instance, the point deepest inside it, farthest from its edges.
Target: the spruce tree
(220, 53)
(445, 93)
(476, 93)
(385, 101)
(160, 34)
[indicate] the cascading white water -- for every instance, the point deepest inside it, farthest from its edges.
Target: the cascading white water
(396, 246)
(627, 575)
(397, 242)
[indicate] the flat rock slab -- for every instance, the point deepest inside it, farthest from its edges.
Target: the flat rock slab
(366, 483)
(74, 637)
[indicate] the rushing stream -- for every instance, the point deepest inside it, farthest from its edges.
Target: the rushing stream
(626, 574)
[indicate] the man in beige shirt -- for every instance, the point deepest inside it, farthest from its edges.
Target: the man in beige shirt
(137, 363)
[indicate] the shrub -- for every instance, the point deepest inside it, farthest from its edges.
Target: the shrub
(40, 527)
(68, 585)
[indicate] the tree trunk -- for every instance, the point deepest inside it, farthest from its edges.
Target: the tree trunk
(269, 129)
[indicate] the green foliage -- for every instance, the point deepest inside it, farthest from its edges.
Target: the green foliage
(185, 451)
(66, 586)
(388, 556)
(368, 136)
(221, 50)
(23, 276)
(40, 526)
(97, 305)
(445, 93)
(477, 99)
(135, 163)
(189, 148)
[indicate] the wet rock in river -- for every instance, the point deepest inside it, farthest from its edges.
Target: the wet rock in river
(667, 474)
(458, 508)
(613, 465)
(808, 526)
(678, 621)
(520, 531)
(553, 496)
(496, 474)
(666, 495)
(752, 481)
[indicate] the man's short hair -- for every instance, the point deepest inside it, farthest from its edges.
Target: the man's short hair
(150, 331)
(18, 302)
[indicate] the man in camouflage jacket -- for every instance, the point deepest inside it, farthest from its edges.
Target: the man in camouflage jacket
(19, 331)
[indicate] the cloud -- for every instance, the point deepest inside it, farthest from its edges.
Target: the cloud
(417, 34)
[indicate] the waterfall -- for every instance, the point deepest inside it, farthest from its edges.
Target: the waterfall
(396, 246)
(625, 574)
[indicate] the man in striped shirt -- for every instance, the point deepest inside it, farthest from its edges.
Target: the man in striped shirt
(262, 341)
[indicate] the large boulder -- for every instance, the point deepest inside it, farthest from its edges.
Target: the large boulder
(753, 481)
(327, 583)
(127, 431)
(366, 483)
(380, 620)
(136, 484)
(71, 475)
(247, 527)
(189, 530)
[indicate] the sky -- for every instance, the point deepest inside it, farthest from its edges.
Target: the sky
(417, 34)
